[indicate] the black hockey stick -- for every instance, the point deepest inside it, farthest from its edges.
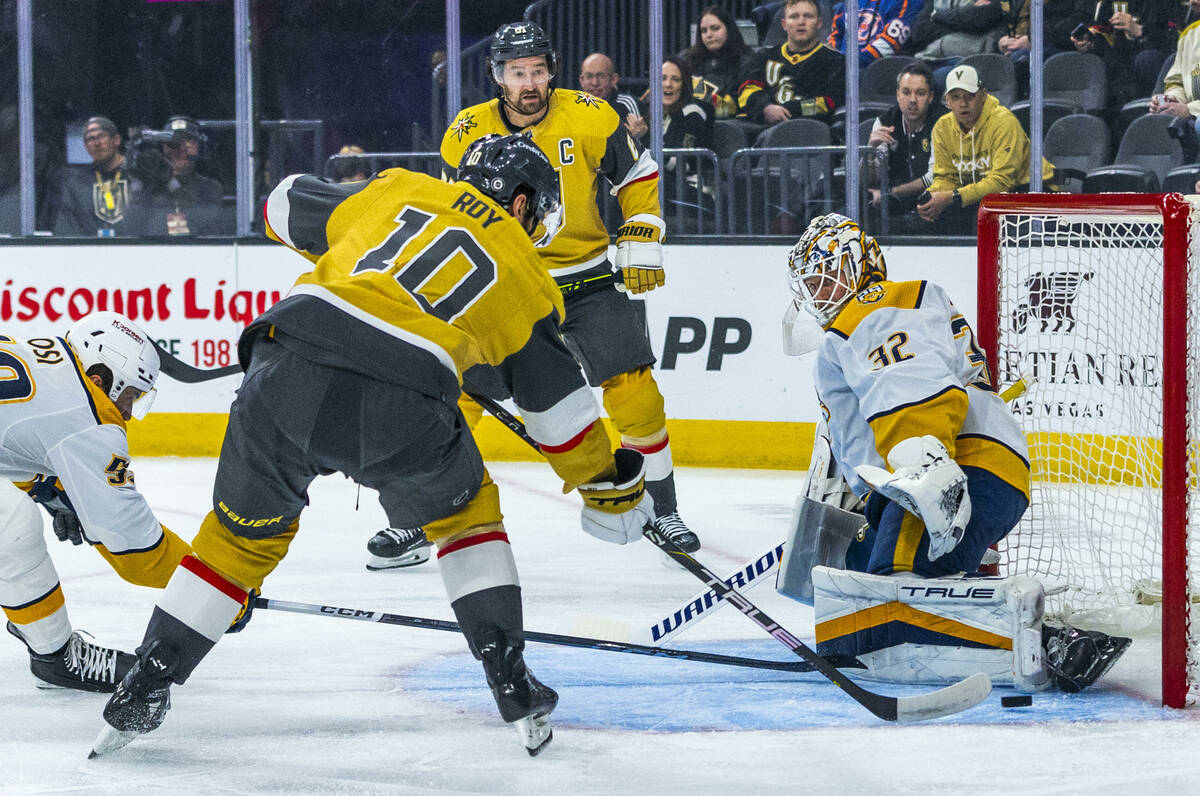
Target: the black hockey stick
(551, 638)
(581, 287)
(953, 698)
(179, 370)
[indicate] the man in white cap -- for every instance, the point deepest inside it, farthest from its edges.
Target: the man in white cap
(979, 148)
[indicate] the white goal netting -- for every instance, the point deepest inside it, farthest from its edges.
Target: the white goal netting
(1081, 313)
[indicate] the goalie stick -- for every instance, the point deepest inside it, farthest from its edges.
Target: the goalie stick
(381, 617)
(181, 371)
(966, 693)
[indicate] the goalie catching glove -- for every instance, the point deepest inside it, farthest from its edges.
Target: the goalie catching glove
(617, 510)
(927, 483)
(639, 253)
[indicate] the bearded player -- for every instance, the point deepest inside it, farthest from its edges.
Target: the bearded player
(603, 328)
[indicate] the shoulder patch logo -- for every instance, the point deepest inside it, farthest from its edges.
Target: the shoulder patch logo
(871, 294)
(463, 125)
(584, 98)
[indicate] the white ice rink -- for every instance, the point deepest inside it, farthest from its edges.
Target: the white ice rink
(318, 705)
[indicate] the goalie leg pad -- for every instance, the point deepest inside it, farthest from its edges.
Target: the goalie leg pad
(821, 534)
(933, 631)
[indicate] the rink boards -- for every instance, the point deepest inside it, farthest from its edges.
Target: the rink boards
(733, 399)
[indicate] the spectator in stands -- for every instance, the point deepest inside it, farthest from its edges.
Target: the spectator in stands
(183, 201)
(947, 31)
(351, 167)
(803, 78)
(902, 138)
(598, 77)
(1180, 97)
(979, 148)
(720, 59)
(884, 27)
(1060, 18)
(1134, 37)
(99, 199)
(687, 122)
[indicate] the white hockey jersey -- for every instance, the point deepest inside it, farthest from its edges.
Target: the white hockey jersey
(54, 422)
(900, 361)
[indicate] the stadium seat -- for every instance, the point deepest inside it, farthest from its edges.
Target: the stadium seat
(997, 74)
(1182, 179)
(878, 81)
(1076, 144)
(1052, 111)
(1077, 78)
(1121, 179)
(728, 137)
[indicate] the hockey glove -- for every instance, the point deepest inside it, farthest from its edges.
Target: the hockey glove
(243, 617)
(639, 253)
(927, 483)
(49, 493)
(617, 510)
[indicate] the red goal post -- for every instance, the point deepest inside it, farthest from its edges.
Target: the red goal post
(1048, 263)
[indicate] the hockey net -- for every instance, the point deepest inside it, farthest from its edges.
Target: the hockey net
(1095, 300)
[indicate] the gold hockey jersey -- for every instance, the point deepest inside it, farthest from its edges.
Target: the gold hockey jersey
(416, 281)
(583, 137)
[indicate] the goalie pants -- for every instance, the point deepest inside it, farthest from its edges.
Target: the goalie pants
(896, 541)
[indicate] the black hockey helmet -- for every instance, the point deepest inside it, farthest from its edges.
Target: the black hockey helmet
(520, 40)
(501, 165)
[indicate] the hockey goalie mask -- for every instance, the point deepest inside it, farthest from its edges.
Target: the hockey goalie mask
(832, 261)
(112, 340)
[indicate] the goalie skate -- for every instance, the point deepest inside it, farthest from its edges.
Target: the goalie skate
(393, 548)
(140, 702)
(1078, 658)
(81, 664)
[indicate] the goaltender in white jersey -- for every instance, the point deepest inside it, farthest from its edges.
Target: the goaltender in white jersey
(915, 429)
(63, 406)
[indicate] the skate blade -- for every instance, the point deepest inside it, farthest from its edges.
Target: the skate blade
(111, 739)
(379, 564)
(535, 733)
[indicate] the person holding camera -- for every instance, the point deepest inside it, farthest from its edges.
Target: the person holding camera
(180, 200)
(1134, 37)
(99, 200)
(1179, 91)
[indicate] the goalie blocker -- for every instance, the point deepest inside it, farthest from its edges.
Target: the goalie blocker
(938, 630)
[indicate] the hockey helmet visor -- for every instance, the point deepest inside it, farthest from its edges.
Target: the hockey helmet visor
(521, 40)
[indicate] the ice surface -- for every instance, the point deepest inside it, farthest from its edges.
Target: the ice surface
(320, 705)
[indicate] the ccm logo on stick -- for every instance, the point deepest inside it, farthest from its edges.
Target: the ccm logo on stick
(688, 335)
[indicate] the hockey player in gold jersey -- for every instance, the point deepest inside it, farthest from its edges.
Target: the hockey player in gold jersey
(62, 444)
(416, 284)
(584, 139)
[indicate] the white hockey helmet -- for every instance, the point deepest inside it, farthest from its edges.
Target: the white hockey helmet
(112, 340)
(833, 260)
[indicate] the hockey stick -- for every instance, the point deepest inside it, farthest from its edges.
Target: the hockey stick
(704, 604)
(581, 287)
(945, 701)
(179, 370)
(552, 638)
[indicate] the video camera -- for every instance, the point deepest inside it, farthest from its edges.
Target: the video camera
(144, 154)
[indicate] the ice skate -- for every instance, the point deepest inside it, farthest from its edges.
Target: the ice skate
(140, 702)
(393, 548)
(80, 664)
(523, 700)
(673, 527)
(1077, 658)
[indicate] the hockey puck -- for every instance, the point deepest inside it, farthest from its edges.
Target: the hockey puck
(1022, 701)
